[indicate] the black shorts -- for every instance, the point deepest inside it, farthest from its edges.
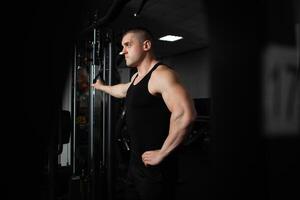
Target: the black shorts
(152, 182)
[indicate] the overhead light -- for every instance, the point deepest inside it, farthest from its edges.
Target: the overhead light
(170, 38)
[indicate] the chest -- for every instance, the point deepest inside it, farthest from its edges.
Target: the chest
(142, 95)
(147, 83)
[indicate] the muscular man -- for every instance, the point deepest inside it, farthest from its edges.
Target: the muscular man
(159, 113)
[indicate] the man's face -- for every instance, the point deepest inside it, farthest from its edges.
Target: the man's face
(132, 49)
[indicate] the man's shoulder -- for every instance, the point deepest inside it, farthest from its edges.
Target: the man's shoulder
(164, 70)
(164, 74)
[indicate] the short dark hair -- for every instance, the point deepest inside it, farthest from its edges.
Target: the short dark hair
(146, 33)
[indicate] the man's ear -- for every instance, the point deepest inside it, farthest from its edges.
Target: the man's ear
(147, 45)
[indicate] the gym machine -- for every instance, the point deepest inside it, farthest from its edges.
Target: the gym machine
(94, 113)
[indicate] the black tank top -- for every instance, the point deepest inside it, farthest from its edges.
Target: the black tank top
(147, 117)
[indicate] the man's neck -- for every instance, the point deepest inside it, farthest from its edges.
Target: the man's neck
(146, 66)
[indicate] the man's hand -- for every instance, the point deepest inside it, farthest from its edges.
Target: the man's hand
(98, 84)
(152, 157)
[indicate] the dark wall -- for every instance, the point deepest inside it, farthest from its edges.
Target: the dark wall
(236, 30)
(40, 40)
(246, 163)
(283, 152)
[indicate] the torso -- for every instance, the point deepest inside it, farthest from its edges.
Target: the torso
(147, 116)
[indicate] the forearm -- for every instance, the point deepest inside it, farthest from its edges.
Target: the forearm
(118, 91)
(179, 127)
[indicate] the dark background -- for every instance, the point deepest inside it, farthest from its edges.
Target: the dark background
(39, 41)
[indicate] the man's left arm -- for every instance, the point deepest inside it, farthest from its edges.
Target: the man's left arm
(182, 111)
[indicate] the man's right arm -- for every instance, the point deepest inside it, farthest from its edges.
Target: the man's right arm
(118, 90)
